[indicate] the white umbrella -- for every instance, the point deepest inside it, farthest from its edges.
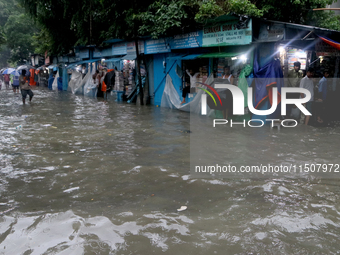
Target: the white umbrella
(3, 69)
(27, 67)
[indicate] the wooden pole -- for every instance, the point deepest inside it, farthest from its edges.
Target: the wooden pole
(326, 9)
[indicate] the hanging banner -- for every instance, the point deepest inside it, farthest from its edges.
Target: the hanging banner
(157, 46)
(324, 49)
(230, 33)
(84, 53)
(119, 49)
(185, 41)
(97, 53)
(106, 52)
(271, 32)
(72, 59)
(131, 48)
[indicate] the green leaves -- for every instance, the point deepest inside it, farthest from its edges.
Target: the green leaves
(210, 9)
(161, 18)
(245, 7)
(19, 30)
(298, 11)
(2, 36)
(16, 31)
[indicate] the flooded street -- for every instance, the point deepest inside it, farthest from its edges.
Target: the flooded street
(82, 176)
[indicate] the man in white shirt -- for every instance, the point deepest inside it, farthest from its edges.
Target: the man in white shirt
(193, 78)
(307, 83)
(193, 83)
(227, 75)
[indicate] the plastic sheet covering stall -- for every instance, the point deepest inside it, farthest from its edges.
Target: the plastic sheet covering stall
(77, 82)
(90, 88)
(171, 98)
(55, 82)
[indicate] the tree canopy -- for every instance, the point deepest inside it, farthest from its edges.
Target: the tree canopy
(65, 24)
(16, 30)
(300, 12)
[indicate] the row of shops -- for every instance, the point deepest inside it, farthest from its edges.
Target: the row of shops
(231, 41)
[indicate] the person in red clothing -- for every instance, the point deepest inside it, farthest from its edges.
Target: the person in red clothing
(6, 80)
(32, 82)
(25, 87)
(102, 82)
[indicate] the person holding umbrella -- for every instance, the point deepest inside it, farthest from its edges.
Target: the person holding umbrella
(15, 83)
(6, 74)
(25, 87)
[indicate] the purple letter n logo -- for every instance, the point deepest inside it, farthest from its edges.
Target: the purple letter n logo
(238, 100)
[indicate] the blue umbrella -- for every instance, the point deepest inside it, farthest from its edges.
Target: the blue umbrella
(15, 73)
(8, 71)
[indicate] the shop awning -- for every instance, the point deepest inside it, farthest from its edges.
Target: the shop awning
(130, 56)
(219, 55)
(177, 57)
(51, 66)
(112, 60)
(192, 56)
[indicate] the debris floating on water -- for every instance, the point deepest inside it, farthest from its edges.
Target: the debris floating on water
(71, 151)
(71, 189)
(183, 208)
(8, 210)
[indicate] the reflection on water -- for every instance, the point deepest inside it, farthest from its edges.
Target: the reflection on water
(83, 176)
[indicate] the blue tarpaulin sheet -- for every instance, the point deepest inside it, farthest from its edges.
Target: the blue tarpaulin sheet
(267, 77)
(60, 83)
(112, 60)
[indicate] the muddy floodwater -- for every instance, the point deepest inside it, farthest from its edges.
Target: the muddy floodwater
(82, 176)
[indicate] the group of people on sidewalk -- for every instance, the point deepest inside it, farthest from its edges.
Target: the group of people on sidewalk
(104, 79)
(319, 100)
(318, 105)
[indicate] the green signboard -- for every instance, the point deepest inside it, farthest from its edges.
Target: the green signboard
(230, 33)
